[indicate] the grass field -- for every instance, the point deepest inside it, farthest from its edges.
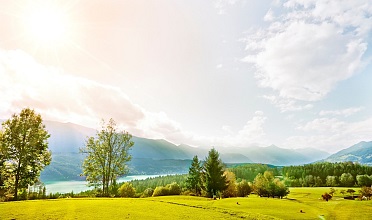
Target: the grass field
(186, 207)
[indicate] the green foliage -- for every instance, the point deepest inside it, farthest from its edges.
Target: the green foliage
(170, 189)
(194, 181)
(24, 150)
(214, 179)
(153, 182)
(250, 171)
(243, 188)
(332, 181)
(364, 180)
(127, 190)
(107, 155)
(231, 190)
(268, 186)
(148, 192)
(325, 174)
(347, 179)
(161, 191)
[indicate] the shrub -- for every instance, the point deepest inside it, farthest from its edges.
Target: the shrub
(127, 190)
(174, 189)
(161, 191)
(148, 192)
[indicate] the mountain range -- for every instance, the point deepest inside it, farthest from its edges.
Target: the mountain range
(150, 156)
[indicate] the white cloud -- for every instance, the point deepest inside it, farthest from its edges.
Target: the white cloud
(286, 105)
(343, 112)
(312, 46)
(62, 97)
(331, 134)
(59, 96)
(324, 125)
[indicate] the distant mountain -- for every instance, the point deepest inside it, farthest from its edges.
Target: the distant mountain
(360, 152)
(280, 156)
(158, 156)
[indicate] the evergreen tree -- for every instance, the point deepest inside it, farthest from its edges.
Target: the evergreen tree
(214, 179)
(194, 181)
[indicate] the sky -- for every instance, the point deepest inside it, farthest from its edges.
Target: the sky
(230, 73)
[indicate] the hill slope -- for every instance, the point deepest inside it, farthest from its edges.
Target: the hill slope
(360, 152)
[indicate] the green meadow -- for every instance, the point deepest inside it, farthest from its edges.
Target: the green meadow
(188, 207)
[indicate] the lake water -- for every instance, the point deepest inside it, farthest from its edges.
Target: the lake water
(78, 186)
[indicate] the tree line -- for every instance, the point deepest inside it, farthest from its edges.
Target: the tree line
(345, 174)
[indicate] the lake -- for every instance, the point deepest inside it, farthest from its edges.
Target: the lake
(78, 186)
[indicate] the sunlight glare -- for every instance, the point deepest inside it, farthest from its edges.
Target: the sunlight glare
(46, 26)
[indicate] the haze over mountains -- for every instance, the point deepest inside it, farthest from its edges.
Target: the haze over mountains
(161, 157)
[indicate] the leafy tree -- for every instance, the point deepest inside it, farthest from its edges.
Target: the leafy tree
(260, 184)
(331, 181)
(231, 190)
(243, 188)
(169, 189)
(194, 181)
(107, 155)
(24, 149)
(364, 180)
(214, 179)
(269, 186)
(347, 179)
(127, 190)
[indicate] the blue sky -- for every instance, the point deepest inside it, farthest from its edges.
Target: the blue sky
(240, 73)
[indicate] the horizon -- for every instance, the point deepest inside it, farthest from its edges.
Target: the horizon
(214, 73)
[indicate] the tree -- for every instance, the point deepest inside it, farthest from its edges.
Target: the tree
(364, 180)
(127, 190)
(331, 181)
(260, 184)
(107, 155)
(214, 179)
(231, 190)
(243, 188)
(347, 179)
(194, 181)
(25, 149)
(269, 186)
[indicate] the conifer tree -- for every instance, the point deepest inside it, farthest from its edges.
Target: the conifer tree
(214, 179)
(194, 181)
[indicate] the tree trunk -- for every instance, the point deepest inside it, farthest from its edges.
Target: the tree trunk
(16, 183)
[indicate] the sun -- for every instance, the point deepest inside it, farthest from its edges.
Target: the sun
(46, 25)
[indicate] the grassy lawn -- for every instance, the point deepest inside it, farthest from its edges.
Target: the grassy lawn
(186, 207)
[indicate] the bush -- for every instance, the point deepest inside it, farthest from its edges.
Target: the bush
(174, 189)
(161, 191)
(148, 192)
(127, 190)
(170, 189)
